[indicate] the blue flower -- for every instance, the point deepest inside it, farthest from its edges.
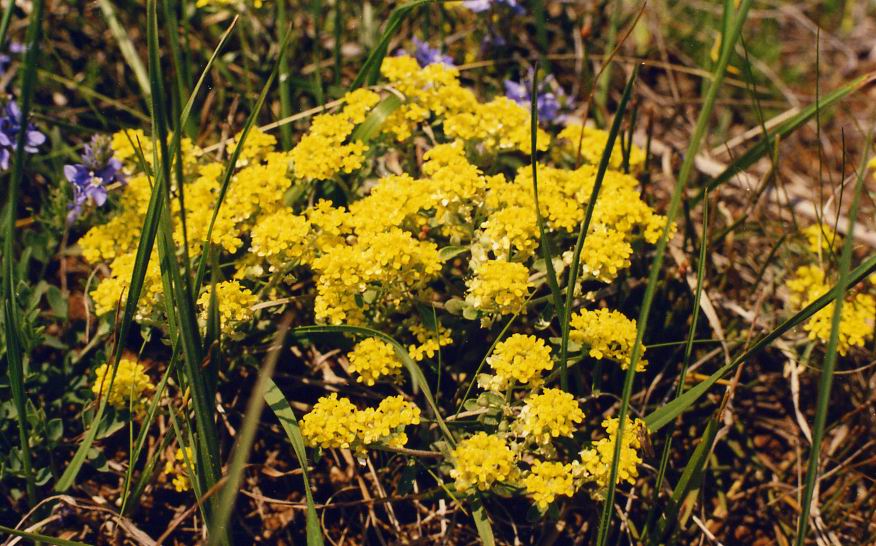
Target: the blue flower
(426, 54)
(10, 125)
(91, 178)
(550, 101)
(479, 6)
(6, 60)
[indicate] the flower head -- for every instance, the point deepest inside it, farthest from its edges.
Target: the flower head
(90, 178)
(607, 334)
(499, 286)
(550, 99)
(128, 387)
(547, 480)
(426, 54)
(548, 415)
(372, 359)
(597, 460)
(10, 125)
(520, 359)
(480, 461)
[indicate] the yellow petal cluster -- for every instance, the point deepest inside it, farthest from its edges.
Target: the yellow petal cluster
(177, 469)
(130, 383)
(429, 341)
(234, 303)
(592, 142)
(607, 334)
(336, 423)
(551, 414)
(547, 480)
(499, 287)
(480, 461)
(282, 238)
(597, 460)
(325, 150)
(373, 358)
(499, 125)
(521, 359)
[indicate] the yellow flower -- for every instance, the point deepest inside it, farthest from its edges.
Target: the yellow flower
(258, 144)
(480, 461)
(499, 287)
(500, 125)
(178, 469)
(593, 143)
(130, 383)
(336, 423)
(331, 423)
(607, 334)
(324, 151)
(548, 415)
(856, 317)
(234, 303)
(520, 358)
(281, 238)
(820, 238)
(545, 481)
(429, 341)
(372, 359)
(596, 461)
(112, 292)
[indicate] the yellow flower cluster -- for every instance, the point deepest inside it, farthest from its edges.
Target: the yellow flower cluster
(607, 334)
(377, 270)
(551, 414)
(373, 358)
(857, 315)
(592, 143)
(177, 468)
(430, 90)
(821, 238)
(520, 359)
(547, 480)
(336, 423)
(596, 460)
(325, 150)
(234, 303)
(500, 125)
(110, 294)
(281, 238)
(480, 461)
(130, 383)
(429, 341)
(499, 287)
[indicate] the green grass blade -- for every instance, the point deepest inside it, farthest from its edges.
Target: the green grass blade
(14, 350)
(371, 67)
(546, 250)
(662, 416)
(826, 380)
(285, 82)
(417, 378)
(370, 128)
(482, 524)
(36, 538)
(688, 352)
(588, 216)
(763, 147)
(246, 437)
(129, 52)
(280, 406)
(659, 253)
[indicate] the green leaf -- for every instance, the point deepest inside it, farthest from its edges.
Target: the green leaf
(37, 538)
(370, 128)
(482, 524)
(280, 406)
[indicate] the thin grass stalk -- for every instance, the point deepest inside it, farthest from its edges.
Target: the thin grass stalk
(659, 253)
(4, 22)
(316, 14)
(338, 38)
(688, 353)
(546, 250)
(126, 46)
(588, 216)
(826, 380)
(37, 538)
(285, 78)
(14, 350)
(246, 435)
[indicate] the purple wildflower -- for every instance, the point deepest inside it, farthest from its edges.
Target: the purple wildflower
(426, 54)
(10, 125)
(479, 6)
(90, 178)
(551, 99)
(5, 59)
